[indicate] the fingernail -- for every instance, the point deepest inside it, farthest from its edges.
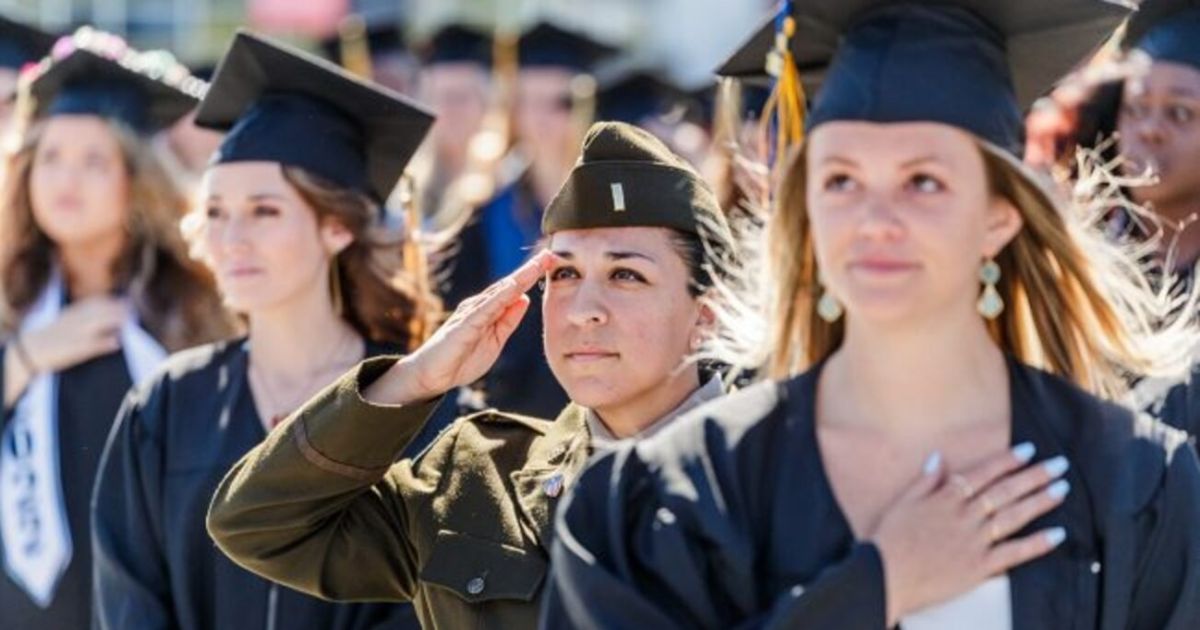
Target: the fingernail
(1024, 452)
(1056, 536)
(1057, 466)
(933, 462)
(1059, 489)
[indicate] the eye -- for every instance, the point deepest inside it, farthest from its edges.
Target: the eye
(926, 184)
(838, 182)
(627, 275)
(563, 273)
(1181, 114)
(212, 212)
(1135, 110)
(263, 210)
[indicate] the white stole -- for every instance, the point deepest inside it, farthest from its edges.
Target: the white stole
(33, 517)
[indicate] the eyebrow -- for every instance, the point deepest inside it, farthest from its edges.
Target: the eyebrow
(613, 255)
(1179, 90)
(907, 163)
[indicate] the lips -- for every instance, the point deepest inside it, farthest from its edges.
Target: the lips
(882, 265)
(590, 356)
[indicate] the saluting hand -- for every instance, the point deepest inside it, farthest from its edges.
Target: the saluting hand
(465, 347)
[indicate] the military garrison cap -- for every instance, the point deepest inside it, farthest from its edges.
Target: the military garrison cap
(626, 177)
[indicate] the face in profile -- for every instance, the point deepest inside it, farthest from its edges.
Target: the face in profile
(261, 239)
(1159, 134)
(619, 318)
(79, 182)
(902, 218)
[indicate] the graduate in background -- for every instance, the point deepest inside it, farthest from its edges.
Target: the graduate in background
(462, 530)
(456, 83)
(97, 288)
(929, 302)
(291, 226)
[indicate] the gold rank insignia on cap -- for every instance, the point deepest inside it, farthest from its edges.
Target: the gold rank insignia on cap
(618, 195)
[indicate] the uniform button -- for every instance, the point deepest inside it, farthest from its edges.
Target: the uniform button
(475, 586)
(1095, 567)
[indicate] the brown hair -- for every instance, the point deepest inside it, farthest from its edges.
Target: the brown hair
(383, 278)
(174, 296)
(1076, 306)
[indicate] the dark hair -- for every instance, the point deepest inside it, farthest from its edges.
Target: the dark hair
(386, 291)
(707, 259)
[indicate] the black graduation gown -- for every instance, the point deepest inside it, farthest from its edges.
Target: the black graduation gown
(89, 395)
(521, 380)
(156, 567)
(727, 520)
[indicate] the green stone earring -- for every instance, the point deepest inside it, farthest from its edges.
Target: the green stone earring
(828, 308)
(990, 303)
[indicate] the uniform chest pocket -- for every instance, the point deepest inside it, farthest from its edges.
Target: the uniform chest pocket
(479, 570)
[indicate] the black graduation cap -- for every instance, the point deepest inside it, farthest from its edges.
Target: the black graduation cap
(546, 44)
(974, 64)
(283, 105)
(21, 44)
(85, 82)
(1167, 30)
(457, 44)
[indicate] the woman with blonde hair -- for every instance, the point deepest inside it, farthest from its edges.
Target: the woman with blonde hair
(97, 287)
(292, 229)
(937, 324)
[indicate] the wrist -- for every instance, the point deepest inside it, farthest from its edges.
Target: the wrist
(23, 358)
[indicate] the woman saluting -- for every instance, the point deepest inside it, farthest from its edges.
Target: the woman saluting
(97, 287)
(462, 530)
(935, 301)
(291, 228)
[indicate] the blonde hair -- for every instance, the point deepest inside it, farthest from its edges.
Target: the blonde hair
(175, 297)
(1077, 305)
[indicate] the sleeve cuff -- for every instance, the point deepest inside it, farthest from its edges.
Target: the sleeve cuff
(342, 432)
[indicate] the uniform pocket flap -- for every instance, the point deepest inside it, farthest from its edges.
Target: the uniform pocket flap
(479, 570)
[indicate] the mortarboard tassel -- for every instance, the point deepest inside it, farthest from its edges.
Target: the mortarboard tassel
(786, 105)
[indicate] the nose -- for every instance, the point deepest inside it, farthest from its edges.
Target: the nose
(1150, 130)
(233, 234)
(586, 308)
(879, 220)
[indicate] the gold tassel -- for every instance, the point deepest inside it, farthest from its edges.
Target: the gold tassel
(786, 105)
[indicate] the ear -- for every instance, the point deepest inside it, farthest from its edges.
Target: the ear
(706, 321)
(334, 236)
(1001, 226)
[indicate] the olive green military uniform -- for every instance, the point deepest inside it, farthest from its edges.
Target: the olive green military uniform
(462, 530)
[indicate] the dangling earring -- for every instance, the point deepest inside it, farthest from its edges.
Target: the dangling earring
(335, 284)
(990, 303)
(828, 308)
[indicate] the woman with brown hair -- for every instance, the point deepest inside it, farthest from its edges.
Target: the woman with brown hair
(292, 229)
(97, 288)
(929, 302)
